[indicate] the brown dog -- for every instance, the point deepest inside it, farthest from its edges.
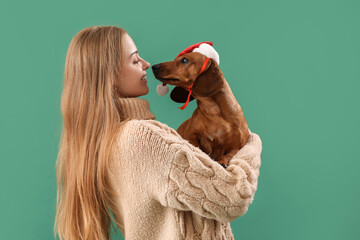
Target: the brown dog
(217, 126)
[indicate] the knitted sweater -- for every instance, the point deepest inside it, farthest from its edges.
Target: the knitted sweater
(168, 189)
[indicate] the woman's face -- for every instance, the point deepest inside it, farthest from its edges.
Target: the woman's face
(134, 83)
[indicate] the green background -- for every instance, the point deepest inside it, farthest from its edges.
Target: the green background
(294, 67)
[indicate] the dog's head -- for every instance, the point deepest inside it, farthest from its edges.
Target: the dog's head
(185, 71)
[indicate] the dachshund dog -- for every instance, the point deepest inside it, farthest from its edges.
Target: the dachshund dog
(217, 126)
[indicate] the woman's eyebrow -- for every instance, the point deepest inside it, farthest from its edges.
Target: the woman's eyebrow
(134, 53)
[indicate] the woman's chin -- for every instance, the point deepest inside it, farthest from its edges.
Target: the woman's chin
(145, 91)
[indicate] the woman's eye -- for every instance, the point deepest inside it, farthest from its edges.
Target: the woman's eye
(184, 60)
(137, 61)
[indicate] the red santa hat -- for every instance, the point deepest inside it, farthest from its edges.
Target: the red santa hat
(204, 48)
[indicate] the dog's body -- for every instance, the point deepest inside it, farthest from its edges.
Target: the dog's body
(217, 126)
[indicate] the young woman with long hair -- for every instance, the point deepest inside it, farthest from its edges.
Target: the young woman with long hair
(116, 160)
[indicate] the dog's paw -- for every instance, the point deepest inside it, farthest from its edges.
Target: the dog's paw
(224, 161)
(224, 165)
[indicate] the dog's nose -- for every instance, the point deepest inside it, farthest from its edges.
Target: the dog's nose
(156, 67)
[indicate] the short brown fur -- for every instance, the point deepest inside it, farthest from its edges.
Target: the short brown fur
(217, 126)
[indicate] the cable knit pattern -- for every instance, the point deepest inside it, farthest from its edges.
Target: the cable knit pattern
(199, 184)
(169, 189)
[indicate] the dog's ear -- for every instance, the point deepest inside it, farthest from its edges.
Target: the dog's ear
(209, 81)
(180, 95)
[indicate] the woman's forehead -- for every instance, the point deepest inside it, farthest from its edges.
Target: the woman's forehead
(130, 46)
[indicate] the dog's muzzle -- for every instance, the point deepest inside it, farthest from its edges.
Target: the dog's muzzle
(156, 68)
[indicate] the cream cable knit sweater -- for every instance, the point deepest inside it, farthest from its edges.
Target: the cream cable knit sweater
(168, 189)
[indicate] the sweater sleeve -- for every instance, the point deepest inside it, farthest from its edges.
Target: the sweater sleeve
(183, 177)
(199, 184)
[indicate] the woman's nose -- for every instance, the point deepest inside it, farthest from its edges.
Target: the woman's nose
(146, 65)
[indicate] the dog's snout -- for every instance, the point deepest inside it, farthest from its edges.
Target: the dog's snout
(156, 67)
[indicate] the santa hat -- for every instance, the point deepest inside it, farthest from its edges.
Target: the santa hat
(204, 48)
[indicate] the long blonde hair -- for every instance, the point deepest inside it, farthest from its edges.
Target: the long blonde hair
(91, 120)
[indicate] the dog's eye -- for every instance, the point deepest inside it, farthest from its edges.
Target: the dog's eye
(184, 60)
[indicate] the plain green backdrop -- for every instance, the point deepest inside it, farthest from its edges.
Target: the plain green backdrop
(294, 67)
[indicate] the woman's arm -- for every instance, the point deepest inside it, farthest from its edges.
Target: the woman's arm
(181, 176)
(199, 184)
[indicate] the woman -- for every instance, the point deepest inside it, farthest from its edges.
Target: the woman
(116, 160)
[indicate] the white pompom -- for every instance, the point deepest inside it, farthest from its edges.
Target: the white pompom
(162, 90)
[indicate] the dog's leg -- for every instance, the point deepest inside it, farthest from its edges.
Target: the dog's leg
(182, 129)
(194, 140)
(188, 135)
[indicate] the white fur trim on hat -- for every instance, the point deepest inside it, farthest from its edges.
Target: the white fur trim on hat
(208, 51)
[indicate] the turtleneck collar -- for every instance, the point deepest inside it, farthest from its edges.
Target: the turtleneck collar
(135, 108)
